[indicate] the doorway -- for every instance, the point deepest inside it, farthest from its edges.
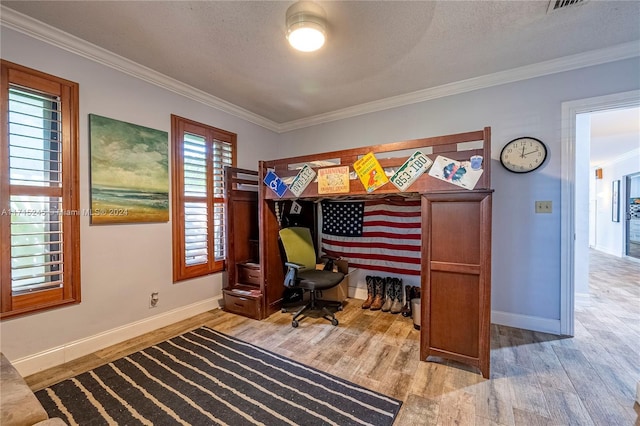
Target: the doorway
(632, 216)
(574, 202)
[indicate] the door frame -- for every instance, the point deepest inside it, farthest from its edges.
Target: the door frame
(568, 211)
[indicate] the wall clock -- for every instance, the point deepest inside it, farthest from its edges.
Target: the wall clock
(523, 155)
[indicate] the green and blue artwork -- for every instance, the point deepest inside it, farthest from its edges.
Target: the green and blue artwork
(129, 172)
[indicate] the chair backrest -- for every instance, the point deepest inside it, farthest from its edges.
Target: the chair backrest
(298, 246)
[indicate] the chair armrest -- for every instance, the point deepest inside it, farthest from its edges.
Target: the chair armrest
(296, 266)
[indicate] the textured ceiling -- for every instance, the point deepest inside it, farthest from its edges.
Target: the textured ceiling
(236, 50)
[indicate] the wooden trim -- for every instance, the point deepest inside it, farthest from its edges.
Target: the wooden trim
(459, 268)
(179, 126)
(5, 206)
(68, 92)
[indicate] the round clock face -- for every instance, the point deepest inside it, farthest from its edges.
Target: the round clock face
(523, 155)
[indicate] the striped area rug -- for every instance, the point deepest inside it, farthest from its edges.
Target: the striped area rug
(205, 377)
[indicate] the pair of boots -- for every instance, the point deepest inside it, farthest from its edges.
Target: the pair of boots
(411, 292)
(384, 294)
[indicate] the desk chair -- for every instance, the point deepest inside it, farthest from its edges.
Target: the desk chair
(302, 273)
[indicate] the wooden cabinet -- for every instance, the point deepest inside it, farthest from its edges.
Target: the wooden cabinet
(243, 290)
(456, 278)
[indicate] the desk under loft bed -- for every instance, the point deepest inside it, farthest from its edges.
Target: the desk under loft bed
(455, 245)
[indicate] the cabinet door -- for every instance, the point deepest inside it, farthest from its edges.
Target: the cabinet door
(456, 278)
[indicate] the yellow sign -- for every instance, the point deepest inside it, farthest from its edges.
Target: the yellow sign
(370, 172)
(334, 180)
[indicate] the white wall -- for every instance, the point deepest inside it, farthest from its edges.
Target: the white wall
(581, 187)
(610, 236)
(526, 246)
(121, 264)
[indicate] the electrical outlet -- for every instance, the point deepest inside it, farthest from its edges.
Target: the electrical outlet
(153, 300)
(543, 206)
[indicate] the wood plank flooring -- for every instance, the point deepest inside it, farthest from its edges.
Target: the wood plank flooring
(536, 378)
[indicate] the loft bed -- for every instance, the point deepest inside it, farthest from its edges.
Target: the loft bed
(391, 156)
(455, 272)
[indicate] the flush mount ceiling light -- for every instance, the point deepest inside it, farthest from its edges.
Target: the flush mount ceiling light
(306, 26)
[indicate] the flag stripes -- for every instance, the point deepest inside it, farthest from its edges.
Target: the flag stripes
(378, 235)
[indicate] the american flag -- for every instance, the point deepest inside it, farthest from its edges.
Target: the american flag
(377, 235)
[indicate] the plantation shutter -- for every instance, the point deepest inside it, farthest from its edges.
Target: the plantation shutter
(222, 156)
(35, 177)
(200, 154)
(196, 224)
(39, 197)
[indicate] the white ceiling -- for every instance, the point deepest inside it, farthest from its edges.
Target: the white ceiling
(376, 50)
(378, 53)
(614, 133)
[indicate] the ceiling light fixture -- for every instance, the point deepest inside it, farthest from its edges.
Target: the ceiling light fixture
(306, 26)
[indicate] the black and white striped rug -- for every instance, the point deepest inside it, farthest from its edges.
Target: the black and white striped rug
(205, 377)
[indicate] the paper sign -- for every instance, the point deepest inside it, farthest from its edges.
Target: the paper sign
(370, 172)
(296, 208)
(275, 183)
(455, 172)
(411, 170)
(334, 180)
(304, 177)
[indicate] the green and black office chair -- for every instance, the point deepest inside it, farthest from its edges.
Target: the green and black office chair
(302, 273)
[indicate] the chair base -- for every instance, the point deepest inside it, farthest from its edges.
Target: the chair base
(315, 306)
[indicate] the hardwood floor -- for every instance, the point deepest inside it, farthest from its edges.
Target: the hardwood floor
(536, 378)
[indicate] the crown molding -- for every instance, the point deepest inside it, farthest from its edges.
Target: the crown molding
(567, 63)
(51, 35)
(633, 154)
(58, 38)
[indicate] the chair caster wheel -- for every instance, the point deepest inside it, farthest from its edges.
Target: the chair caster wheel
(334, 322)
(294, 323)
(340, 308)
(283, 310)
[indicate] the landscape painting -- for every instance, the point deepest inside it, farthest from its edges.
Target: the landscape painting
(129, 172)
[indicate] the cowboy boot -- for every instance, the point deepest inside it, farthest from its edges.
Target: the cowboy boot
(396, 306)
(370, 292)
(378, 300)
(388, 291)
(408, 295)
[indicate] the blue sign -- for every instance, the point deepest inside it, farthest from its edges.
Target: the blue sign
(275, 183)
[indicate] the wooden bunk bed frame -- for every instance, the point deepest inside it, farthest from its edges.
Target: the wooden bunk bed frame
(456, 240)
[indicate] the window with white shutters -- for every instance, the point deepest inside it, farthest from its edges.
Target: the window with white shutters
(39, 221)
(200, 153)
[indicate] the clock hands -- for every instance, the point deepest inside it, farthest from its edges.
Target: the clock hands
(524, 155)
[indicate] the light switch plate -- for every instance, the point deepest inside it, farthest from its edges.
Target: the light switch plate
(543, 206)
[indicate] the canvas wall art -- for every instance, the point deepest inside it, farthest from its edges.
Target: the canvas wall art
(129, 172)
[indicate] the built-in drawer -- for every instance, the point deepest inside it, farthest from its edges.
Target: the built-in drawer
(248, 273)
(243, 305)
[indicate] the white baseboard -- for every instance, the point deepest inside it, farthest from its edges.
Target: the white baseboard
(607, 250)
(527, 322)
(59, 355)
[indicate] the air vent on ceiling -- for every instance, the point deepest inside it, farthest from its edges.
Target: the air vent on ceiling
(563, 4)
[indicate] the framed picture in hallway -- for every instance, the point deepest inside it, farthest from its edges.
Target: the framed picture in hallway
(615, 201)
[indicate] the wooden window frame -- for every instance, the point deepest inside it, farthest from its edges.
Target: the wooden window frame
(179, 125)
(68, 92)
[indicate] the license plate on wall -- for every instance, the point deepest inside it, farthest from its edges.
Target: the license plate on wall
(411, 170)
